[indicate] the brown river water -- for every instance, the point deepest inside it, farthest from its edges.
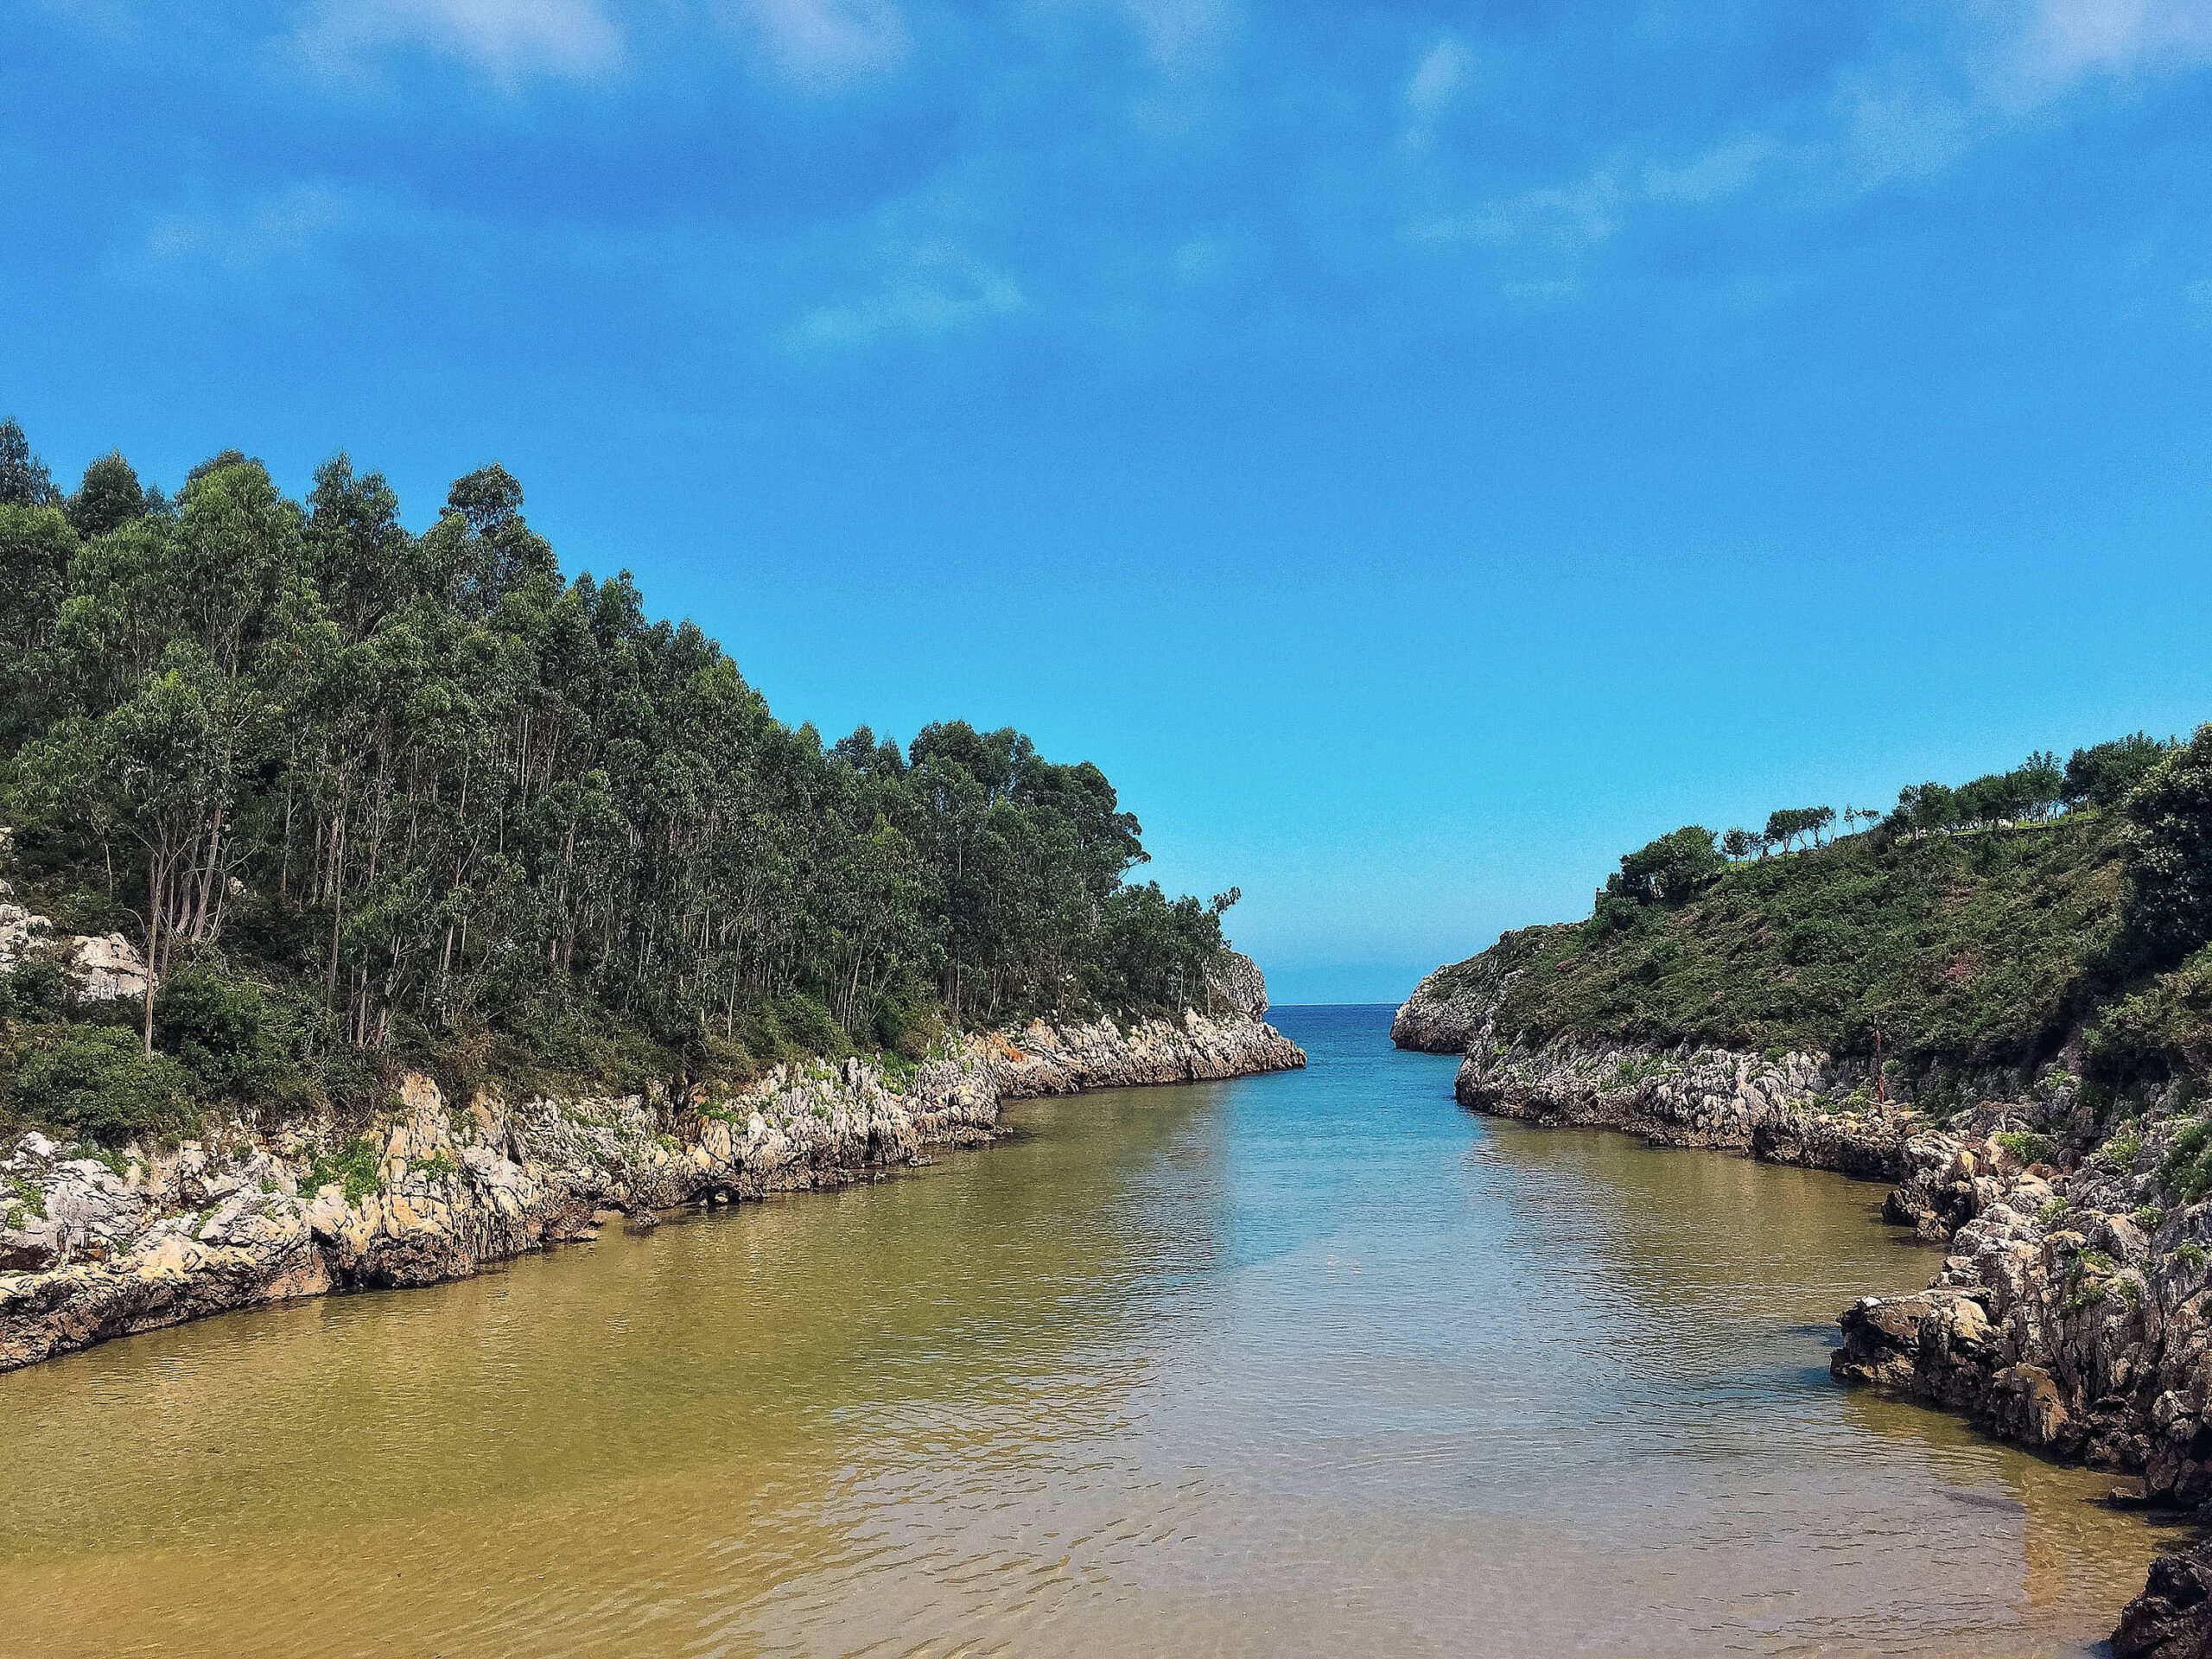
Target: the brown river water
(1305, 1364)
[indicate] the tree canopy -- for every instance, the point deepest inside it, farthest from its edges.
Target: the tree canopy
(392, 794)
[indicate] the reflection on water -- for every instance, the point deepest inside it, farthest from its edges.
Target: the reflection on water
(1281, 1366)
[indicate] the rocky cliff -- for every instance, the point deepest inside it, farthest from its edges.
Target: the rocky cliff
(101, 1244)
(1455, 1007)
(1791, 1109)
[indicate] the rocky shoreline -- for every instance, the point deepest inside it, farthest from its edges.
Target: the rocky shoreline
(2073, 1313)
(98, 1243)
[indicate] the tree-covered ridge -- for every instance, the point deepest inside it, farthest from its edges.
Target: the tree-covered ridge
(1984, 923)
(361, 794)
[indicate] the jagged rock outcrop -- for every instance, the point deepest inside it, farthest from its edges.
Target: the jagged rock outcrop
(97, 1246)
(1042, 1060)
(2172, 1618)
(1235, 982)
(106, 967)
(1791, 1109)
(1456, 1008)
(2073, 1313)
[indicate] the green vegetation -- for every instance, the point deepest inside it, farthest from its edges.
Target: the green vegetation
(2026, 1146)
(2188, 1166)
(1968, 949)
(365, 798)
(30, 1201)
(94, 1081)
(356, 1167)
(1974, 925)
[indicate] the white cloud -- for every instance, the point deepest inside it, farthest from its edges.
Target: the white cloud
(1180, 33)
(939, 289)
(1436, 83)
(1439, 77)
(1910, 111)
(1722, 171)
(2066, 41)
(1575, 218)
(512, 39)
(247, 236)
(826, 42)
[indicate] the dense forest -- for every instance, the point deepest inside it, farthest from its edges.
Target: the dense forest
(363, 796)
(1984, 923)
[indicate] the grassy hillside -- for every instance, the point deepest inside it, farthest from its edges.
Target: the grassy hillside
(1981, 948)
(1984, 926)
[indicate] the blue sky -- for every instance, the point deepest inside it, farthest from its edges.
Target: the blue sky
(1419, 451)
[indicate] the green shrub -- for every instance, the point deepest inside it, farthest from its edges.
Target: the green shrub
(2148, 1217)
(2188, 1167)
(37, 987)
(228, 1034)
(98, 1082)
(907, 1022)
(2026, 1146)
(806, 1023)
(357, 1167)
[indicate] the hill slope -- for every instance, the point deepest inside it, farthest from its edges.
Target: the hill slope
(1978, 951)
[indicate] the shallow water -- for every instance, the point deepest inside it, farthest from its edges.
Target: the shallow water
(1290, 1365)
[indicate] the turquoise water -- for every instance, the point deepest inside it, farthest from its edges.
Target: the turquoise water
(1284, 1366)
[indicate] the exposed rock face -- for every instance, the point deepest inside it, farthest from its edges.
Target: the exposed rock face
(2071, 1313)
(2172, 1618)
(107, 967)
(1042, 1060)
(1799, 1108)
(94, 1247)
(1454, 1008)
(1236, 983)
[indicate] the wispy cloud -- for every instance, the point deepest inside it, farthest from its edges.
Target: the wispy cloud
(1720, 172)
(934, 290)
(2065, 40)
(2199, 296)
(1438, 82)
(510, 40)
(1173, 165)
(1181, 34)
(246, 236)
(1575, 218)
(1912, 107)
(825, 43)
